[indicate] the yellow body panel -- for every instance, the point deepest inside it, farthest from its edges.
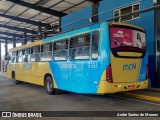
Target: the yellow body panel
(32, 72)
(129, 54)
(123, 80)
(120, 71)
(106, 87)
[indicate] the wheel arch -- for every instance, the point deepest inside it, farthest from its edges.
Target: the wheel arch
(12, 73)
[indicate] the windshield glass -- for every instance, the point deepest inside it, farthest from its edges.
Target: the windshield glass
(122, 36)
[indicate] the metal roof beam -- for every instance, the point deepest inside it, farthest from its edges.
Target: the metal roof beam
(11, 34)
(94, 1)
(42, 2)
(24, 20)
(5, 38)
(75, 5)
(18, 29)
(39, 8)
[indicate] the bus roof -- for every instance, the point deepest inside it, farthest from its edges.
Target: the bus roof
(38, 42)
(67, 34)
(124, 24)
(58, 37)
(75, 32)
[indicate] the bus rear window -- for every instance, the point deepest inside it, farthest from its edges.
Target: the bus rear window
(126, 36)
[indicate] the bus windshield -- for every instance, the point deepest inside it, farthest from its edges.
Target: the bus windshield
(124, 36)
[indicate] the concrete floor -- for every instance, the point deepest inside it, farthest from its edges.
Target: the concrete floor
(28, 97)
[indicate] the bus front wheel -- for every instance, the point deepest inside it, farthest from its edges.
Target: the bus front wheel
(49, 85)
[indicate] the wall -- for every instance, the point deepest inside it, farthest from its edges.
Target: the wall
(145, 21)
(76, 16)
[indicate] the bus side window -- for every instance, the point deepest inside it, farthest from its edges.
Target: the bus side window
(35, 54)
(16, 56)
(23, 53)
(79, 47)
(26, 57)
(20, 54)
(46, 52)
(95, 40)
(61, 50)
(72, 51)
(13, 60)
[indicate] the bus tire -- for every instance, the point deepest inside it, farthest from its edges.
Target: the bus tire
(49, 85)
(14, 78)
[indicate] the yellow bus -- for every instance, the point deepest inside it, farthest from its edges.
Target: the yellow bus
(97, 59)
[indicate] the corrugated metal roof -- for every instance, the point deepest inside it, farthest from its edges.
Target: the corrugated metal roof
(12, 8)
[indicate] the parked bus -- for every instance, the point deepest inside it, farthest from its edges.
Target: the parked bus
(97, 59)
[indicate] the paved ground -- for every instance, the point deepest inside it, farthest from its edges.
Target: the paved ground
(27, 97)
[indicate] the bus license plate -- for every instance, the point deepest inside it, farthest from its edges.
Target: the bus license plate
(130, 87)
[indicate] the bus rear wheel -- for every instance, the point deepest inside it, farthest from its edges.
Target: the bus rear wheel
(49, 85)
(14, 78)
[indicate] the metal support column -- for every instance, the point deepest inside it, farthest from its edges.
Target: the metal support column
(32, 39)
(45, 35)
(6, 47)
(60, 24)
(0, 57)
(39, 33)
(24, 38)
(157, 45)
(6, 54)
(95, 5)
(14, 41)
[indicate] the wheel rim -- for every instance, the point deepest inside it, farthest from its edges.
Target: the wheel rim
(49, 86)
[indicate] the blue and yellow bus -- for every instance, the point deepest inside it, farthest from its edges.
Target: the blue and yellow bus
(97, 59)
